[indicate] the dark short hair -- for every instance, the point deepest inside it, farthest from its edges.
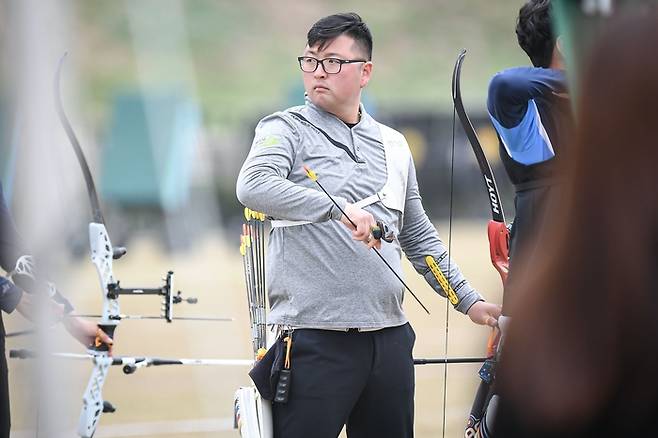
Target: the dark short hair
(328, 28)
(535, 32)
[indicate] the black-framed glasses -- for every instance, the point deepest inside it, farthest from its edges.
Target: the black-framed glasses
(332, 66)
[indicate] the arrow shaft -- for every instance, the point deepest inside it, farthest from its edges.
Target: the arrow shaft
(20, 333)
(126, 360)
(376, 251)
(450, 360)
(179, 318)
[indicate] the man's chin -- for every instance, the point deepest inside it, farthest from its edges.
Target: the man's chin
(322, 100)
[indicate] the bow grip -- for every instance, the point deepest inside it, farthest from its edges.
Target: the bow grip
(99, 345)
(499, 247)
(381, 231)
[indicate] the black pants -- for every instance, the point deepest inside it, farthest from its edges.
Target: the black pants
(362, 379)
(530, 206)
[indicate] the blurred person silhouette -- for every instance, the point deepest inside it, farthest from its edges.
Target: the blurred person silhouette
(581, 355)
(349, 341)
(14, 259)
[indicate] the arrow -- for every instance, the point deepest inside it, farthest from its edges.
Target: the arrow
(313, 176)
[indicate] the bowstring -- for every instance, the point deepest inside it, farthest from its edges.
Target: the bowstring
(450, 216)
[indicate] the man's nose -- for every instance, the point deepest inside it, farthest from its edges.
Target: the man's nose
(319, 72)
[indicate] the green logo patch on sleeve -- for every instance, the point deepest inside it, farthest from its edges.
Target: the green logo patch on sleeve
(268, 140)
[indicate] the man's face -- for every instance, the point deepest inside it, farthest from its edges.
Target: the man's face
(339, 91)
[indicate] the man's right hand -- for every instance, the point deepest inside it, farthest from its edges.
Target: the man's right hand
(364, 222)
(484, 313)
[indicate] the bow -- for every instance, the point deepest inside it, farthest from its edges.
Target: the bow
(498, 246)
(102, 255)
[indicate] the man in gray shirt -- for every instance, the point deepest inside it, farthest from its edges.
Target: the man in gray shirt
(351, 342)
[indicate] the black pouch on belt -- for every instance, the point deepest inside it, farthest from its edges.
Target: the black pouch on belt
(265, 374)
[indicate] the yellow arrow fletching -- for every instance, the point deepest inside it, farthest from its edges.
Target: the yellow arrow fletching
(311, 174)
(252, 214)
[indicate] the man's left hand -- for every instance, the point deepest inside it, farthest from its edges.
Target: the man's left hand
(86, 332)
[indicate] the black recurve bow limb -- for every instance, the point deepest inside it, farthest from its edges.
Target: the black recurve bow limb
(498, 244)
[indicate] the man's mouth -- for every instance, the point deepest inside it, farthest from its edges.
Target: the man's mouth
(320, 88)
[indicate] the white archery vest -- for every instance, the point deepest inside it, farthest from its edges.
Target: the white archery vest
(394, 192)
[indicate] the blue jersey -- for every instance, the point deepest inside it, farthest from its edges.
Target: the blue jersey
(529, 108)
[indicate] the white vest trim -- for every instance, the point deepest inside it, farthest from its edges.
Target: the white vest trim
(398, 160)
(394, 192)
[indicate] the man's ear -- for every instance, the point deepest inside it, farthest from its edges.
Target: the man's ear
(557, 60)
(559, 46)
(366, 73)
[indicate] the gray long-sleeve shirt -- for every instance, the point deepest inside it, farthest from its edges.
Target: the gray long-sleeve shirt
(317, 275)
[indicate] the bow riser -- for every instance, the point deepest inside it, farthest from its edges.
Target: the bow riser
(101, 257)
(92, 401)
(499, 248)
